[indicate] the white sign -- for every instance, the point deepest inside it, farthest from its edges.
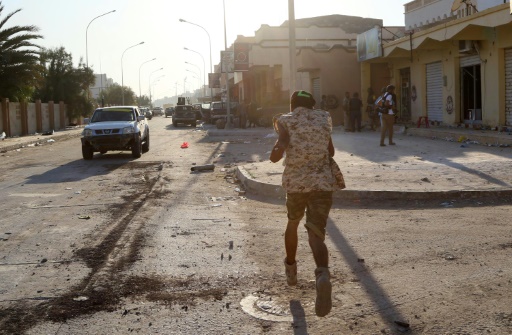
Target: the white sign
(228, 61)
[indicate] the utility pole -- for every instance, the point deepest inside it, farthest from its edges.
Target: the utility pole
(228, 116)
(292, 46)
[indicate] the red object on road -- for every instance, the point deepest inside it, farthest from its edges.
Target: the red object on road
(184, 145)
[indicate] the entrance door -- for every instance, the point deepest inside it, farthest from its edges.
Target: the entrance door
(405, 94)
(471, 89)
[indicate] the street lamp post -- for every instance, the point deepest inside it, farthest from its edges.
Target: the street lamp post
(86, 31)
(86, 42)
(140, 92)
(150, 82)
(198, 69)
(204, 70)
(195, 76)
(122, 75)
(210, 41)
(157, 79)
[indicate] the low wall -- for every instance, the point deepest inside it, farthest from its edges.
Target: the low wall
(19, 118)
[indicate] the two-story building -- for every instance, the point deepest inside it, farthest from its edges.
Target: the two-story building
(454, 65)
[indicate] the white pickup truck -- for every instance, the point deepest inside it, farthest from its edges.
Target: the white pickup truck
(115, 128)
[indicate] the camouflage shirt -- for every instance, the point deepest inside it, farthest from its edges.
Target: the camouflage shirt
(307, 155)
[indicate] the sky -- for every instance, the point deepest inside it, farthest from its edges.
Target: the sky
(156, 23)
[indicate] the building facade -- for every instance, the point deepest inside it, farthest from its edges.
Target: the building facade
(326, 61)
(101, 82)
(456, 70)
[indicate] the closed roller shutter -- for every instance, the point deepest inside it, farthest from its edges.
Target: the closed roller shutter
(469, 60)
(508, 86)
(435, 91)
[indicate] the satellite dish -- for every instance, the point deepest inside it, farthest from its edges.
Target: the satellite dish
(457, 4)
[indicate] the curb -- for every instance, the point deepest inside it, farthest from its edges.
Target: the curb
(277, 191)
(56, 136)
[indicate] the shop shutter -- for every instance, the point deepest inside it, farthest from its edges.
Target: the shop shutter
(508, 86)
(469, 60)
(435, 91)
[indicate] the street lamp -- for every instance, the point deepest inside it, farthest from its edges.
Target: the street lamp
(198, 69)
(195, 76)
(140, 94)
(150, 81)
(122, 75)
(86, 43)
(86, 31)
(151, 85)
(204, 69)
(210, 41)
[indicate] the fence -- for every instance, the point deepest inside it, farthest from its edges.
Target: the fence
(21, 118)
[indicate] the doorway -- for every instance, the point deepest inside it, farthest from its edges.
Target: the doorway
(405, 94)
(471, 94)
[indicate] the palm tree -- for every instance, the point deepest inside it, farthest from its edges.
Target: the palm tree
(19, 59)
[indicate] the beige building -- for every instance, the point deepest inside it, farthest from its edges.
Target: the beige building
(326, 61)
(454, 68)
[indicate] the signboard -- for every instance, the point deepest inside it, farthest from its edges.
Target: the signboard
(241, 57)
(369, 44)
(214, 80)
(227, 61)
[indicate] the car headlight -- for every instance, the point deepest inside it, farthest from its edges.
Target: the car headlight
(128, 130)
(87, 132)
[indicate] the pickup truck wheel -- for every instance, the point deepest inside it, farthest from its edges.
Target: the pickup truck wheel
(137, 148)
(193, 124)
(175, 124)
(145, 146)
(87, 152)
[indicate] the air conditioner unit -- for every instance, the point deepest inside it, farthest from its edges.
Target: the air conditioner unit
(466, 46)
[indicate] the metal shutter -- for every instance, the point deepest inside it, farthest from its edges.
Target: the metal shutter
(469, 60)
(435, 91)
(508, 86)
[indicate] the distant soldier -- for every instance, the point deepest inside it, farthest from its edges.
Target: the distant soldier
(252, 113)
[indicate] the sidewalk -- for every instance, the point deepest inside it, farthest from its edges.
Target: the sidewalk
(13, 143)
(427, 165)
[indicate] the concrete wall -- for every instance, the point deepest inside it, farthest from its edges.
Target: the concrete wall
(18, 119)
(32, 119)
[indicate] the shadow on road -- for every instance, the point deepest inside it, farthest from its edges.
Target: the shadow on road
(81, 169)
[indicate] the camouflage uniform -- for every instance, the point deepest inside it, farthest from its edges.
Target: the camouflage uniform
(307, 176)
(307, 157)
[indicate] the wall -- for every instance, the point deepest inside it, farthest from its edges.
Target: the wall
(22, 117)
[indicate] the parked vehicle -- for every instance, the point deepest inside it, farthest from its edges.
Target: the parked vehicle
(146, 112)
(184, 114)
(157, 111)
(169, 111)
(115, 128)
(218, 110)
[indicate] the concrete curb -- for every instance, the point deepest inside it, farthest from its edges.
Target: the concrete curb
(25, 141)
(277, 191)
